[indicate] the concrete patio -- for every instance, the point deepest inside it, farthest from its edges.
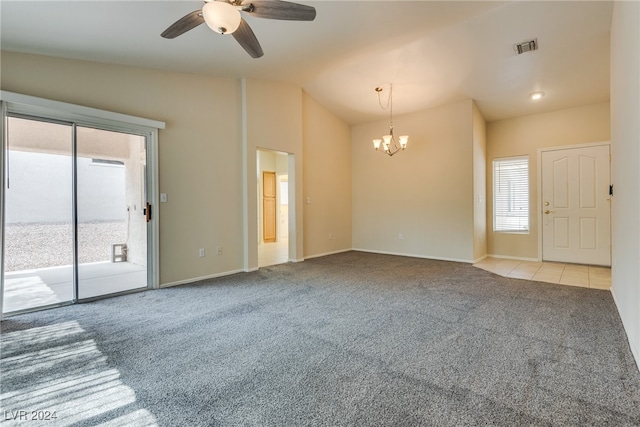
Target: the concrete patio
(29, 289)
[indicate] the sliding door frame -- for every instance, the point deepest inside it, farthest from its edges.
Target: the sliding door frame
(76, 115)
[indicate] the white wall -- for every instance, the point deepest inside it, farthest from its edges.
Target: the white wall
(36, 196)
(425, 193)
(625, 147)
(39, 168)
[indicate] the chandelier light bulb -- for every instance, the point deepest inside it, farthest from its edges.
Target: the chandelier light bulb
(376, 143)
(403, 141)
(221, 17)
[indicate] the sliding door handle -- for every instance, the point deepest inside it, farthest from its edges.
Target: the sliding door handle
(147, 212)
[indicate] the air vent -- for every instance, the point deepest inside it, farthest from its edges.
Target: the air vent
(521, 48)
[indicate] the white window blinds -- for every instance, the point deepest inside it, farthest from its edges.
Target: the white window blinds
(511, 194)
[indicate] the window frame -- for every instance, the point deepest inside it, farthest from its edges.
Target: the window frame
(513, 230)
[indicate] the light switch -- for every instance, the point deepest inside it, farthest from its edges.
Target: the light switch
(308, 200)
(163, 197)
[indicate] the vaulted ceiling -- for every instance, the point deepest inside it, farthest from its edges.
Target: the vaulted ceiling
(434, 52)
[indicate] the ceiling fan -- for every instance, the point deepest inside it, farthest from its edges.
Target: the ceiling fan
(224, 17)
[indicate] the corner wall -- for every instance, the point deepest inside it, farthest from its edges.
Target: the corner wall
(524, 136)
(479, 185)
(277, 129)
(420, 201)
(327, 180)
(625, 147)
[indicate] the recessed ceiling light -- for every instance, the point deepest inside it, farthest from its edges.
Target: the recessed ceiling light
(536, 95)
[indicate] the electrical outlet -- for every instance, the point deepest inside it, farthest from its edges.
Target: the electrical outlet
(219, 250)
(330, 236)
(400, 236)
(201, 252)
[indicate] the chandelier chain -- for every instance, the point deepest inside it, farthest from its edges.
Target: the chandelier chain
(389, 104)
(388, 142)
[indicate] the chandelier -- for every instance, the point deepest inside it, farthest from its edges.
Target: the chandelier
(388, 142)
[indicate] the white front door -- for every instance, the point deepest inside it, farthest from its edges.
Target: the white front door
(576, 205)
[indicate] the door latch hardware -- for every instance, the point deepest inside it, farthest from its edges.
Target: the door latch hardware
(147, 212)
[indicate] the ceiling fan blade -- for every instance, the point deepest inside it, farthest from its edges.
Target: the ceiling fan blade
(184, 24)
(244, 35)
(278, 9)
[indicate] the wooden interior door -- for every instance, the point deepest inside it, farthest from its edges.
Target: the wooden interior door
(269, 207)
(576, 205)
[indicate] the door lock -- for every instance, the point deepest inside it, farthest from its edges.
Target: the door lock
(147, 212)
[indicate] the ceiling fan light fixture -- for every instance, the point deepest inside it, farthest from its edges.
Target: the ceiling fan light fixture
(221, 17)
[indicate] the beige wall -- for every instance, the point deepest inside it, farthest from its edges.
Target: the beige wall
(207, 153)
(625, 147)
(199, 151)
(425, 193)
(524, 136)
(479, 184)
(327, 180)
(278, 129)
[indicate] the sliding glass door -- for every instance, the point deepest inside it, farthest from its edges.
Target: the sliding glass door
(112, 230)
(38, 232)
(74, 222)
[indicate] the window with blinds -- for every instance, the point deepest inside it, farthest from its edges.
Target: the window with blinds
(511, 194)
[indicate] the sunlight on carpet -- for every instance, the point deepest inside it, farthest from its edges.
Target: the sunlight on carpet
(76, 384)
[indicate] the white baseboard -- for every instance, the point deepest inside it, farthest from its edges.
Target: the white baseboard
(197, 279)
(635, 351)
(485, 256)
(328, 253)
(517, 258)
(468, 261)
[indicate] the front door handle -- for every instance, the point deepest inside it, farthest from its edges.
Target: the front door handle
(547, 212)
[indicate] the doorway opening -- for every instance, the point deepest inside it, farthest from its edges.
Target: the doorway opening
(273, 207)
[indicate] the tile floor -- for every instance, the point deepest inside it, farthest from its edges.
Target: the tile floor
(586, 276)
(273, 253)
